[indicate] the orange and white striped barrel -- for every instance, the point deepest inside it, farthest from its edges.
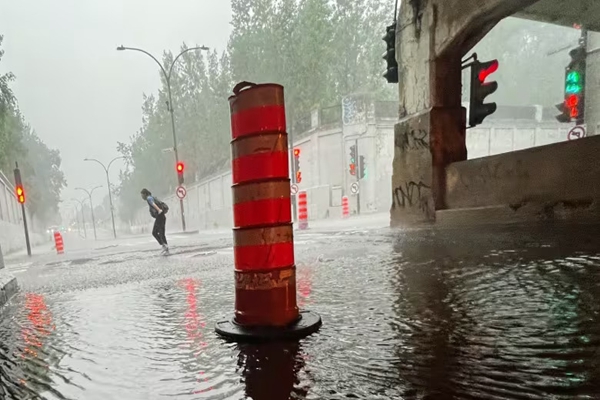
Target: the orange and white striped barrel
(58, 243)
(345, 207)
(265, 272)
(302, 210)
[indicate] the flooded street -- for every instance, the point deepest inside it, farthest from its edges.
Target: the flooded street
(493, 314)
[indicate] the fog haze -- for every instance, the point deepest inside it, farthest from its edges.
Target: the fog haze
(79, 93)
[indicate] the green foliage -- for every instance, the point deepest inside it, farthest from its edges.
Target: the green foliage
(40, 166)
(319, 50)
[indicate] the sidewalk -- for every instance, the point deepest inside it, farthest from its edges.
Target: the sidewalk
(363, 221)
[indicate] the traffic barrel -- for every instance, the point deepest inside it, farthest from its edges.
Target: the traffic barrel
(263, 240)
(302, 211)
(345, 207)
(58, 243)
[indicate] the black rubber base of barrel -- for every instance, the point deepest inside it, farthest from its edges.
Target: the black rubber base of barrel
(307, 324)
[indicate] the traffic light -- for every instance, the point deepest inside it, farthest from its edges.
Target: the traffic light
(573, 106)
(391, 73)
(20, 194)
(353, 159)
(298, 173)
(480, 89)
(19, 190)
(180, 167)
(362, 168)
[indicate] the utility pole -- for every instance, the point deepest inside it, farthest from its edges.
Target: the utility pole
(89, 193)
(20, 192)
(106, 170)
(167, 76)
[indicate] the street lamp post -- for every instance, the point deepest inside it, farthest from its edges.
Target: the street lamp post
(167, 76)
(82, 217)
(106, 169)
(89, 193)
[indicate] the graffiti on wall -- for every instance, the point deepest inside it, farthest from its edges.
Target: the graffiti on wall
(412, 194)
(490, 172)
(414, 139)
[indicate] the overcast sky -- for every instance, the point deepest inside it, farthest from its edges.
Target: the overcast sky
(80, 94)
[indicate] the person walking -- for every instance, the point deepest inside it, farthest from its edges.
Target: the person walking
(158, 209)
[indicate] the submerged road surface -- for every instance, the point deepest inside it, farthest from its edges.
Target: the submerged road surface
(508, 313)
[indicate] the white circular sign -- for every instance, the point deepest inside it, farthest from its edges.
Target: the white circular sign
(181, 192)
(577, 132)
(354, 188)
(293, 189)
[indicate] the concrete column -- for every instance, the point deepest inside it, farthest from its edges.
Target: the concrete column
(432, 37)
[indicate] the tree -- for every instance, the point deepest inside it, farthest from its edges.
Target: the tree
(302, 45)
(42, 178)
(40, 166)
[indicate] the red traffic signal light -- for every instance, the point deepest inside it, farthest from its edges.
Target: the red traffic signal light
(180, 167)
(20, 194)
(296, 152)
(480, 89)
(488, 70)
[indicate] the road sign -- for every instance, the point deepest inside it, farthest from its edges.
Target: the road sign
(181, 192)
(577, 132)
(354, 188)
(293, 189)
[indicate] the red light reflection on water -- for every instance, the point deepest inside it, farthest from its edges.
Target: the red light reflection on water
(304, 285)
(194, 324)
(40, 324)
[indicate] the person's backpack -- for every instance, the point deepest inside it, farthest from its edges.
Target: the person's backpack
(162, 205)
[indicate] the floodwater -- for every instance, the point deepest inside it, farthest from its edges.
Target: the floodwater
(488, 314)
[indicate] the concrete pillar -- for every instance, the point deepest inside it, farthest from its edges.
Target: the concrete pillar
(431, 41)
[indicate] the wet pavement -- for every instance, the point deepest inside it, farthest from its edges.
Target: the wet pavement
(507, 313)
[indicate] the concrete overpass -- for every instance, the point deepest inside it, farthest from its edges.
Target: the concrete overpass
(437, 181)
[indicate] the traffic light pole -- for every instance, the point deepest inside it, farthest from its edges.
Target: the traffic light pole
(357, 174)
(26, 229)
(583, 43)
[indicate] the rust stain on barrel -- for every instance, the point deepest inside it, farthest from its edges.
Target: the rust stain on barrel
(262, 236)
(263, 143)
(261, 191)
(259, 96)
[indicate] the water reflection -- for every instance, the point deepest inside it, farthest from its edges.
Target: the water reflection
(488, 314)
(304, 285)
(511, 314)
(270, 371)
(194, 326)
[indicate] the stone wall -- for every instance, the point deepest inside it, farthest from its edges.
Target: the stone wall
(564, 174)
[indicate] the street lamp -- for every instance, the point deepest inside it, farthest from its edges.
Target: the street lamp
(89, 193)
(167, 76)
(82, 217)
(106, 169)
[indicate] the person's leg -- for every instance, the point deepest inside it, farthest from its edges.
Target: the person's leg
(163, 229)
(156, 231)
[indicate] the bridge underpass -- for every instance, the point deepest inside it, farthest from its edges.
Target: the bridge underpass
(441, 185)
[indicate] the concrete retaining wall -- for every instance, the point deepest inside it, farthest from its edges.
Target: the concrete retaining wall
(564, 175)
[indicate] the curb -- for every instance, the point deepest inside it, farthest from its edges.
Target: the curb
(8, 288)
